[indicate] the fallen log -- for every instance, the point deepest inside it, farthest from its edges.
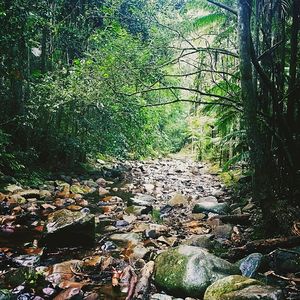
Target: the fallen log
(263, 246)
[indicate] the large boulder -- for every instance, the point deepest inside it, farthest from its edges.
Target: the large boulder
(187, 271)
(238, 287)
(67, 228)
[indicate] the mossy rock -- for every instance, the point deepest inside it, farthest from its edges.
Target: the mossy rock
(187, 271)
(238, 287)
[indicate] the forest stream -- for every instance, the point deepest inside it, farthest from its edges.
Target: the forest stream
(159, 229)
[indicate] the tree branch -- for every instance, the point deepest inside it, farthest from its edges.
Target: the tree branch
(221, 5)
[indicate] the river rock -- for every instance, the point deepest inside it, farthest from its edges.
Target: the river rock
(250, 264)
(177, 200)
(187, 271)
(131, 237)
(142, 200)
(30, 194)
(209, 206)
(67, 228)
(204, 241)
(12, 188)
(238, 287)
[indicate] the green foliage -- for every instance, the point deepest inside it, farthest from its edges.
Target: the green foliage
(208, 20)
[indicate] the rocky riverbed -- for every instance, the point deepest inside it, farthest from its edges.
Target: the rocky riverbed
(159, 230)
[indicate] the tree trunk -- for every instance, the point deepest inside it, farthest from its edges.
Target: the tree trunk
(261, 187)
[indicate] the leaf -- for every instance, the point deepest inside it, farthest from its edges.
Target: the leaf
(208, 20)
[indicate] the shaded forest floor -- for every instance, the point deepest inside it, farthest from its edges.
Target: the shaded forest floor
(98, 235)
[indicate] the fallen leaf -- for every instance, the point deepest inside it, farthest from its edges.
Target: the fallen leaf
(67, 294)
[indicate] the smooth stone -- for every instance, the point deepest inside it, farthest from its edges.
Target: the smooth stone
(12, 188)
(250, 206)
(250, 264)
(45, 194)
(132, 237)
(142, 200)
(67, 228)
(208, 199)
(203, 241)
(160, 297)
(238, 287)
(217, 208)
(187, 271)
(139, 210)
(222, 231)
(27, 260)
(30, 194)
(178, 200)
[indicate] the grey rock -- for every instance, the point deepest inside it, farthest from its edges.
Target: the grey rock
(142, 200)
(132, 237)
(250, 264)
(67, 228)
(187, 271)
(209, 206)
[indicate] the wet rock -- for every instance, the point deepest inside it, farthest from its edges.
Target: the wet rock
(139, 210)
(132, 237)
(77, 189)
(241, 288)
(160, 297)
(30, 194)
(27, 260)
(45, 194)
(178, 200)
(103, 191)
(142, 200)
(67, 228)
(16, 198)
(12, 188)
(203, 241)
(250, 206)
(121, 223)
(250, 264)
(90, 183)
(101, 182)
(188, 271)
(165, 210)
(222, 231)
(208, 206)
(208, 199)
(139, 252)
(149, 187)
(199, 216)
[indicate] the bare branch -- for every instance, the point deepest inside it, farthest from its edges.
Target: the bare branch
(221, 5)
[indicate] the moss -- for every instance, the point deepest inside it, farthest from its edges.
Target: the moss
(220, 288)
(163, 277)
